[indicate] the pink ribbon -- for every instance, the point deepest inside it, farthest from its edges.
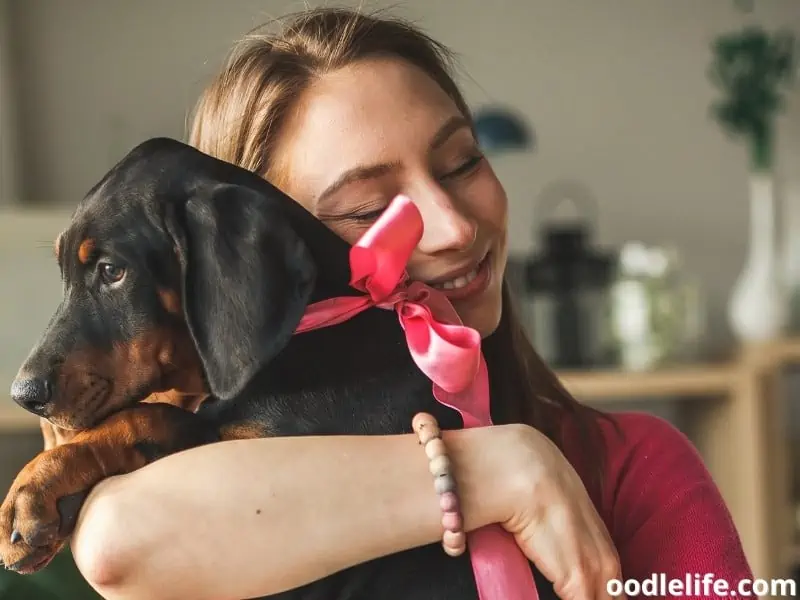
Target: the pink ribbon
(449, 354)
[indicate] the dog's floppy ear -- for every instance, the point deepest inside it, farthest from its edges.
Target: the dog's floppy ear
(247, 277)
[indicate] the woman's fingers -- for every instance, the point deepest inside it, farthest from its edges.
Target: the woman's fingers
(547, 546)
(584, 575)
(605, 558)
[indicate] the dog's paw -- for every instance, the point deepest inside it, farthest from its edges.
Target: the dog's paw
(40, 510)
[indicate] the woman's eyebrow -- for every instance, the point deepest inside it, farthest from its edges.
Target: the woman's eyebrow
(359, 173)
(450, 126)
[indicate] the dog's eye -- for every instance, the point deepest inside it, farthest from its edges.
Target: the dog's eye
(111, 273)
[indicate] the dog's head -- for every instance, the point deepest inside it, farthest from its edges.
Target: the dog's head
(179, 272)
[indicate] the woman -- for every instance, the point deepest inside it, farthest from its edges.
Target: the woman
(344, 112)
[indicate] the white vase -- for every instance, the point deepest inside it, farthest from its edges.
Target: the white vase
(757, 310)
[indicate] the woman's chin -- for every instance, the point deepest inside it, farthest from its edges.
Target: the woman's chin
(484, 319)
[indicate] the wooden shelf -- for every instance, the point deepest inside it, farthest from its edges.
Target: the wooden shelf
(782, 351)
(689, 382)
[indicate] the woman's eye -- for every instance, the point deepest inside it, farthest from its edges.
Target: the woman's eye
(111, 273)
(367, 216)
(465, 167)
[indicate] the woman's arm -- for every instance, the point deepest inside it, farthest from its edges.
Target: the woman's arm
(250, 518)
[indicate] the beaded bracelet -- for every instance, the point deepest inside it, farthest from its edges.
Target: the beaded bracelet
(454, 539)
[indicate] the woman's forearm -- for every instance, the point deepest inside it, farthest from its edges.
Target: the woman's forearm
(251, 518)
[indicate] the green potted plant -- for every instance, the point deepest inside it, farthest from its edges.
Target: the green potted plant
(752, 68)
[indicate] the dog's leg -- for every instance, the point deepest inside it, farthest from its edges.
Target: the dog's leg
(56, 436)
(39, 512)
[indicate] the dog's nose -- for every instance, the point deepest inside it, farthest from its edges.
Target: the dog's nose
(32, 393)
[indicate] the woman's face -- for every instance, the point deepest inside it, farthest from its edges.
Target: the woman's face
(366, 133)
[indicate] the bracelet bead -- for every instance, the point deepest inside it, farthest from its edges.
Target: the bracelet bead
(454, 542)
(423, 420)
(428, 432)
(453, 551)
(439, 465)
(444, 483)
(448, 502)
(435, 448)
(452, 521)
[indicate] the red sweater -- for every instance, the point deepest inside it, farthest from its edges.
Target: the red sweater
(663, 510)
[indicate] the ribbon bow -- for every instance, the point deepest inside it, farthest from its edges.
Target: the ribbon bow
(449, 354)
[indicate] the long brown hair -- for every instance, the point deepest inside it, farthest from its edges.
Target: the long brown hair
(241, 112)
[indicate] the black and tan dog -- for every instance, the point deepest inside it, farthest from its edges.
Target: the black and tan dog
(182, 272)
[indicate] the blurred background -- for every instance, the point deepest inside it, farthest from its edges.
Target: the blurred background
(655, 260)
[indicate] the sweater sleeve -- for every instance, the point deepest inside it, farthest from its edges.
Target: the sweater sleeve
(665, 513)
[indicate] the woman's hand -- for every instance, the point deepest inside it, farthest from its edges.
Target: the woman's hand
(555, 523)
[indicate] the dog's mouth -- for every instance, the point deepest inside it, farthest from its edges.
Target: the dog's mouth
(90, 409)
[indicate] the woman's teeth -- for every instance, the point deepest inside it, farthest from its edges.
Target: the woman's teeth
(458, 282)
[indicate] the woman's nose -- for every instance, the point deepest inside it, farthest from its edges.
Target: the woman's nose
(447, 225)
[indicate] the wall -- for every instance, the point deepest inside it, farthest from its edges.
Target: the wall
(9, 166)
(30, 280)
(30, 291)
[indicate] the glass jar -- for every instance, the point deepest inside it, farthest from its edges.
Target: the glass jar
(656, 314)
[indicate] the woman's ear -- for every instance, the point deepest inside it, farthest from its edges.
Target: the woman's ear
(247, 278)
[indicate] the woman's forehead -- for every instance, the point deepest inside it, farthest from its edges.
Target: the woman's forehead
(377, 111)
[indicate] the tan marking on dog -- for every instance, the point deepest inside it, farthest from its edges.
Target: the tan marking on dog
(170, 301)
(185, 400)
(243, 431)
(85, 250)
(98, 383)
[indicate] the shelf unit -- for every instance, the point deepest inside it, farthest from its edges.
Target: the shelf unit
(736, 418)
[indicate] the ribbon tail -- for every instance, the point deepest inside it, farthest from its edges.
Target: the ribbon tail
(502, 571)
(448, 354)
(326, 313)
(472, 403)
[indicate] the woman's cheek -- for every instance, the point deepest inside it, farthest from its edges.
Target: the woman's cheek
(487, 199)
